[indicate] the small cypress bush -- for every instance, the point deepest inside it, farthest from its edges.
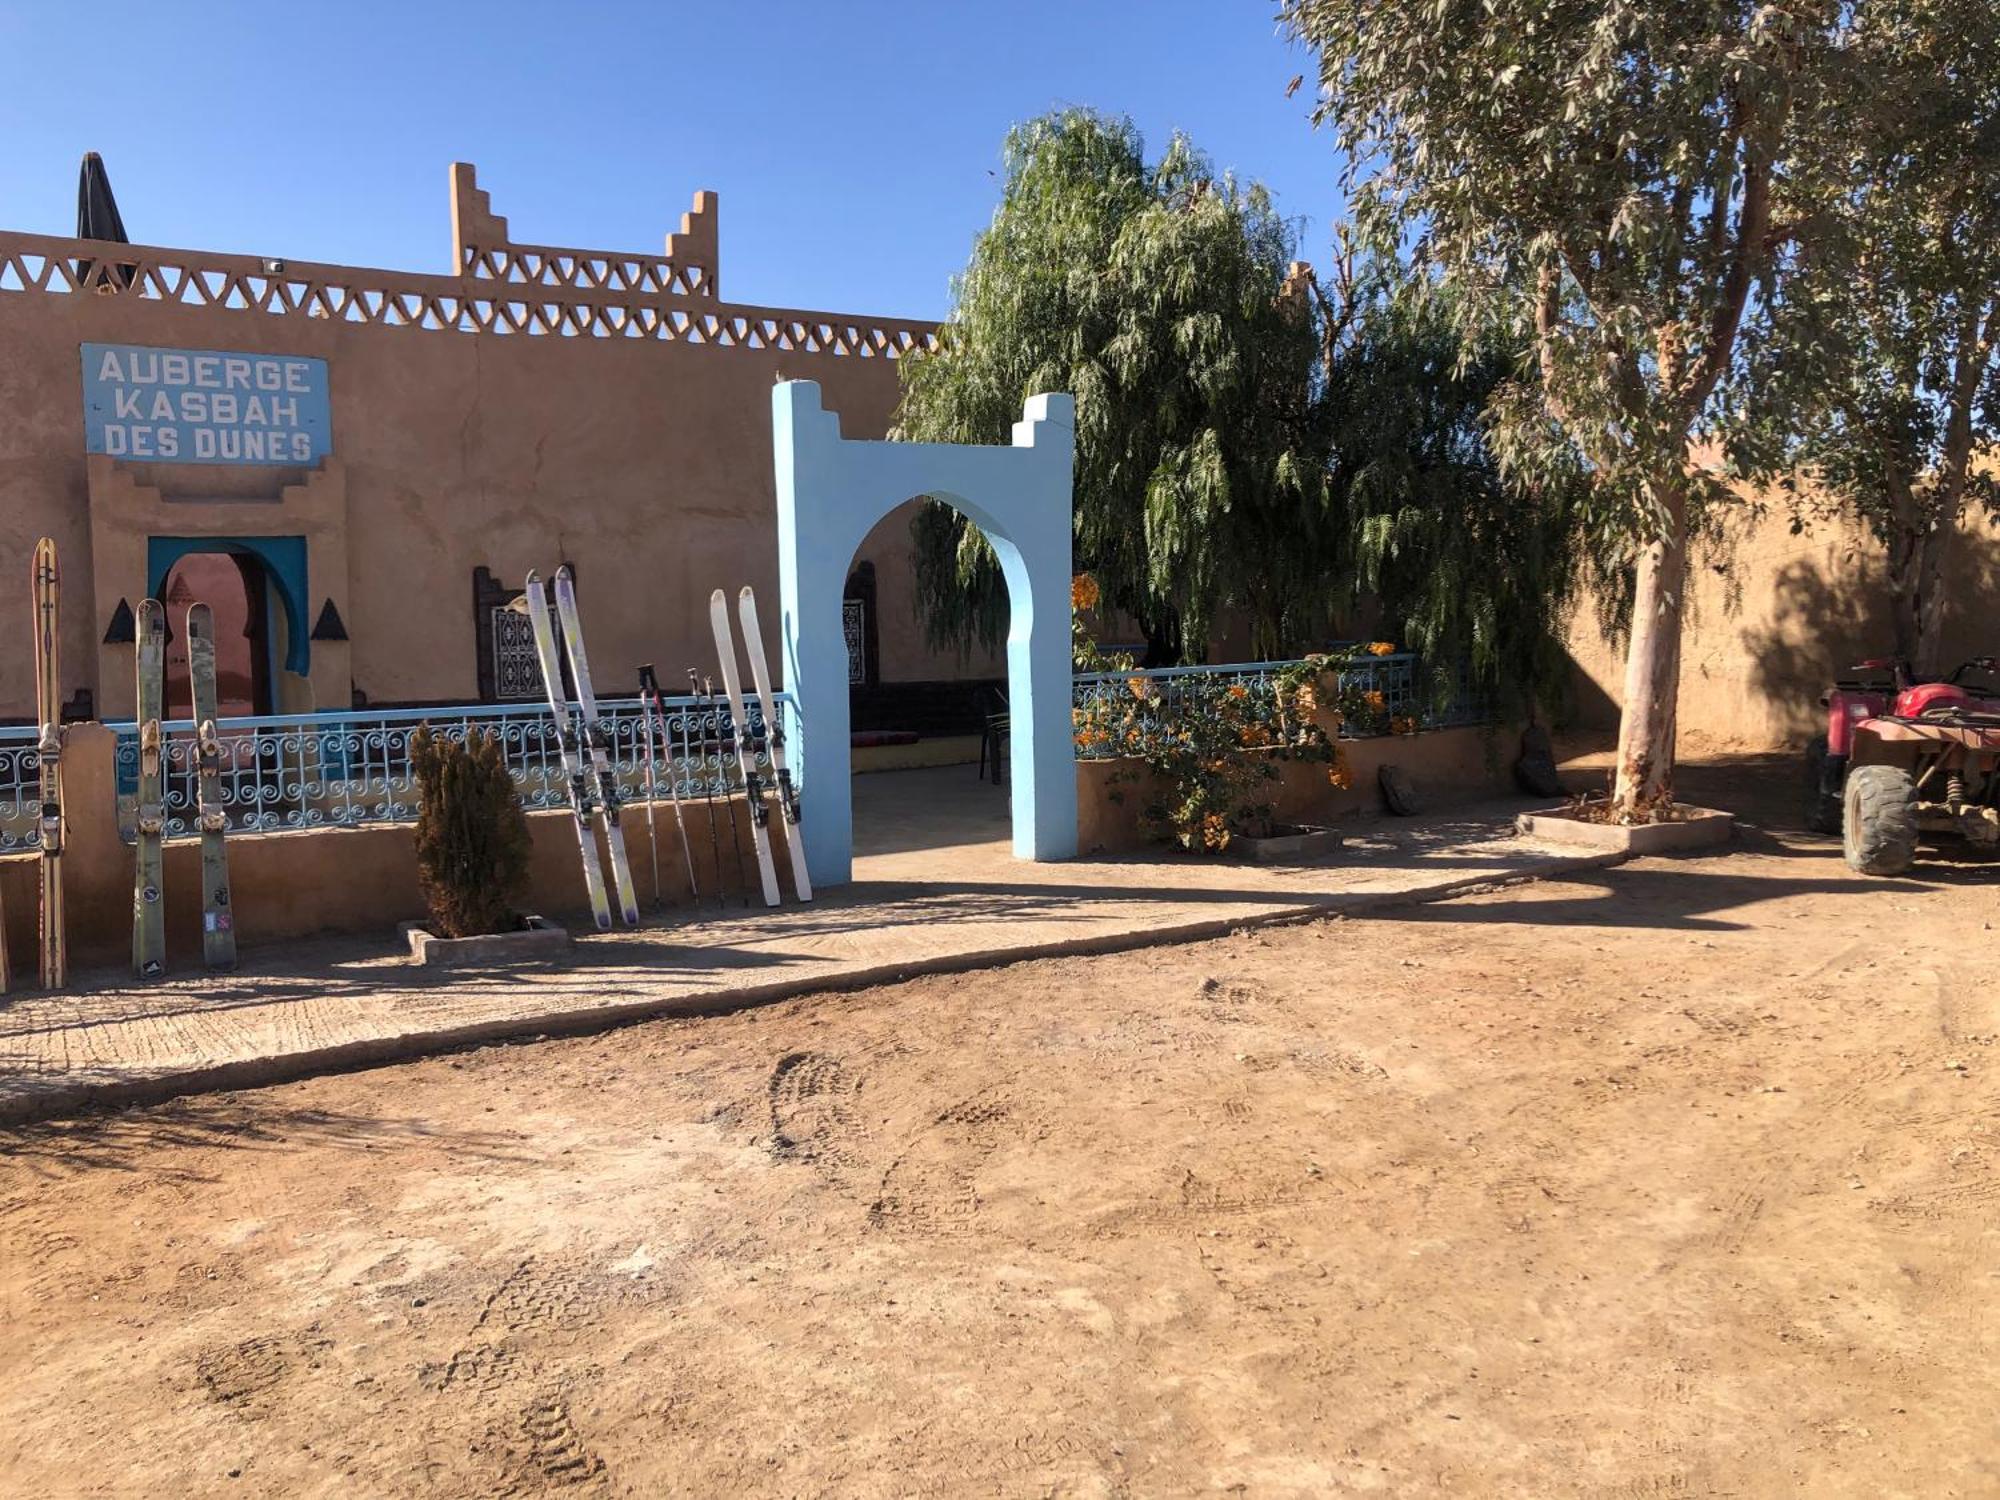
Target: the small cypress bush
(472, 837)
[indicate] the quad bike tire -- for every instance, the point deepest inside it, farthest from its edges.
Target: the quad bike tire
(1880, 833)
(1823, 808)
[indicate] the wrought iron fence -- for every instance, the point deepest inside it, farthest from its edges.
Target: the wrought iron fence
(20, 788)
(340, 770)
(1149, 700)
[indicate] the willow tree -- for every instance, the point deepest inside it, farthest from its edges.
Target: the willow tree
(1621, 162)
(1892, 334)
(1155, 293)
(1473, 570)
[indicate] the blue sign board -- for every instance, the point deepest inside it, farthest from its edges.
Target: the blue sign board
(205, 406)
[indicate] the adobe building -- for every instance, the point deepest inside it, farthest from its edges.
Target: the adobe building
(357, 468)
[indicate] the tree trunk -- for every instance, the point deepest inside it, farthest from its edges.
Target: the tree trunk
(1650, 720)
(1905, 594)
(1933, 596)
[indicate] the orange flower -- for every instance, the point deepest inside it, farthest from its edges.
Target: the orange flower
(1381, 648)
(1215, 832)
(1340, 777)
(1238, 690)
(1375, 700)
(1083, 592)
(1141, 688)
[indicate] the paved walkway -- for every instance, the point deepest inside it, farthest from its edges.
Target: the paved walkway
(318, 1007)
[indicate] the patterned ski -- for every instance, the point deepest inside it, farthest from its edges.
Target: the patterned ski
(774, 736)
(746, 751)
(595, 749)
(537, 605)
(48, 704)
(149, 931)
(218, 917)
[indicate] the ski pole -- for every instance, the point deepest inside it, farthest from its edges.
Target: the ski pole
(735, 833)
(648, 694)
(651, 685)
(708, 787)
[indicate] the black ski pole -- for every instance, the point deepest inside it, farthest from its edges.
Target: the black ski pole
(708, 785)
(648, 694)
(650, 686)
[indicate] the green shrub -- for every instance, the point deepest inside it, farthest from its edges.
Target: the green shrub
(472, 837)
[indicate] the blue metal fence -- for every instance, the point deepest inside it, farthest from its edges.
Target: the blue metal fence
(20, 788)
(335, 770)
(338, 770)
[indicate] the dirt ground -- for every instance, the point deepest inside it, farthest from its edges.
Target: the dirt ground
(1681, 1179)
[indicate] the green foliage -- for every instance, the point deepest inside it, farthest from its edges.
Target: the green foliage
(1467, 567)
(1155, 294)
(1889, 341)
(472, 837)
(1604, 183)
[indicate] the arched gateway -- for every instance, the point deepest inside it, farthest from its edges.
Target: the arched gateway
(830, 493)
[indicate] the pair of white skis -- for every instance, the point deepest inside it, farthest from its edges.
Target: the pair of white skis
(746, 749)
(586, 758)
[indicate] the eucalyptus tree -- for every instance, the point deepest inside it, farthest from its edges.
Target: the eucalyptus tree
(1610, 179)
(1890, 340)
(1156, 294)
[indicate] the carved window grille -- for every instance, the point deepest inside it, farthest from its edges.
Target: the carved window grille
(517, 672)
(854, 624)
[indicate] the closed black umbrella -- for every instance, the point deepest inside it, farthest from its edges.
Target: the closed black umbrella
(97, 216)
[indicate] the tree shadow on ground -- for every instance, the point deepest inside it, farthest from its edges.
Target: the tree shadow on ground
(226, 1122)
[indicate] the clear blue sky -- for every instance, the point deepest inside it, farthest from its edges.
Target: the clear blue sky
(852, 141)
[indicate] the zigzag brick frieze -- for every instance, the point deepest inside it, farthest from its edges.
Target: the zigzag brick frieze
(520, 290)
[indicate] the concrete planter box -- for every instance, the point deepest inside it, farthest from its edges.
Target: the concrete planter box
(1287, 848)
(538, 942)
(1693, 828)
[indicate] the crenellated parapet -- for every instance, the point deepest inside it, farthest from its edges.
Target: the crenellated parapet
(483, 248)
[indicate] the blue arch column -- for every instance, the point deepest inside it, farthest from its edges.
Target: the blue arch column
(831, 492)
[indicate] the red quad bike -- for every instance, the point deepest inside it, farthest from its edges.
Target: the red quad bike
(1902, 758)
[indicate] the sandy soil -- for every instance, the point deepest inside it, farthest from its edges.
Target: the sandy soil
(1682, 1179)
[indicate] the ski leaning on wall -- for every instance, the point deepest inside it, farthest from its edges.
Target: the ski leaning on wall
(596, 752)
(746, 750)
(149, 932)
(48, 748)
(774, 736)
(535, 604)
(218, 917)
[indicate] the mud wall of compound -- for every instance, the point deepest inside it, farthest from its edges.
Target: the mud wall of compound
(645, 462)
(318, 882)
(1765, 636)
(1447, 767)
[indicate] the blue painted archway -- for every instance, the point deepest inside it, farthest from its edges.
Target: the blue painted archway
(831, 492)
(284, 559)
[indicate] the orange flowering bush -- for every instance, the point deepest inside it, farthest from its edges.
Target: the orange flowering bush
(1083, 592)
(1381, 648)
